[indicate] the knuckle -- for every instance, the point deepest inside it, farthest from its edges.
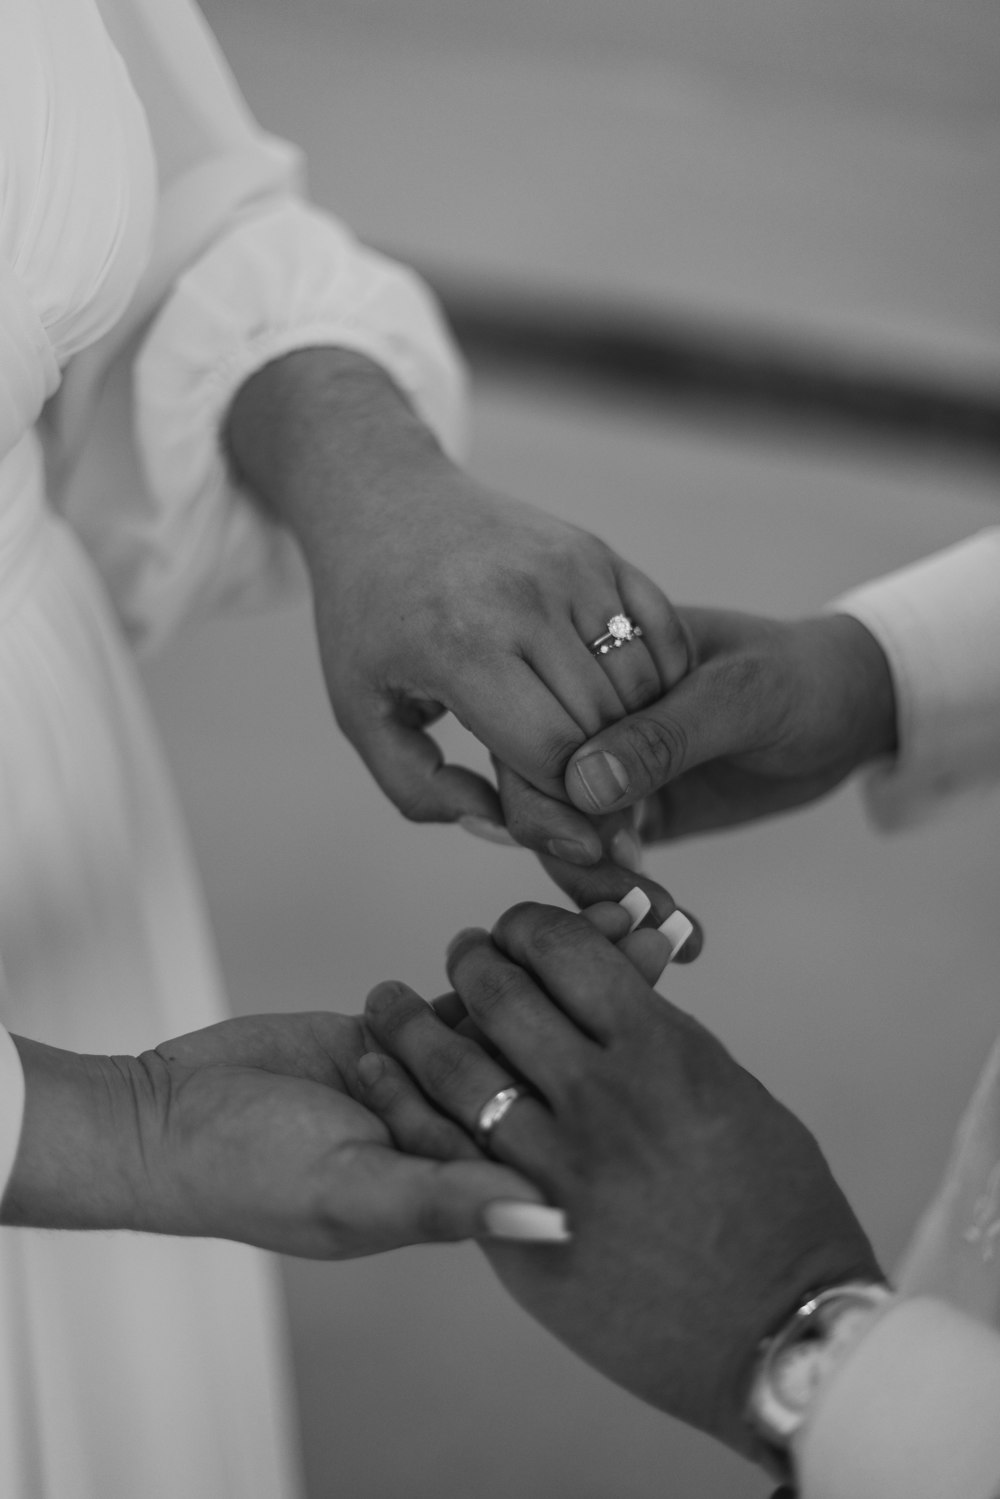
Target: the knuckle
(659, 745)
(516, 921)
(559, 935)
(416, 803)
(496, 988)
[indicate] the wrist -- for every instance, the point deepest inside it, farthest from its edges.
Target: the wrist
(869, 693)
(80, 1158)
(322, 433)
(797, 1361)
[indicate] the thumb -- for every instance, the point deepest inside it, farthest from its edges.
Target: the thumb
(424, 1202)
(718, 710)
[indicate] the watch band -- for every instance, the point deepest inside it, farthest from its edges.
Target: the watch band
(794, 1363)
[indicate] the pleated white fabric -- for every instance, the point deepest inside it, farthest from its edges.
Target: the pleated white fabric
(151, 244)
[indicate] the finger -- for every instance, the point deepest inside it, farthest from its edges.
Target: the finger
(405, 1200)
(588, 694)
(580, 971)
(686, 935)
(415, 1125)
(716, 711)
(621, 657)
(519, 720)
(632, 926)
(647, 949)
(544, 823)
(607, 882)
(548, 1038)
(664, 633)
(457, 1075)
(449, 1009)
(408, 765)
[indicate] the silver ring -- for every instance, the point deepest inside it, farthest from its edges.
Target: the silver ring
(492, 1111)
(620, 630)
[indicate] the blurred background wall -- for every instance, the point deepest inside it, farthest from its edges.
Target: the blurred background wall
(784, 175)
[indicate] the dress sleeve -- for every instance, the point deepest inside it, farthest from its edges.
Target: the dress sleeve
(243, 269)
(939, 625)
(11, 1105)
(913, 1412)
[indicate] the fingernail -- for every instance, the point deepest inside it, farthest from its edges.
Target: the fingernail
(604, 779)
(370, 1068)
(677, 929)
(527, 1221)
(572, 852)
(638, 905)
(626, 850)
(493, 832)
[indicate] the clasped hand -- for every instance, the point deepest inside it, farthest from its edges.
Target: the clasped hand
(701, 1211)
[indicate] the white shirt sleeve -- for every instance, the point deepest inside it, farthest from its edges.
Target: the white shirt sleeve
(912, 1412)
(11, 1105)
(285, 277)
(242, 270)
(939, 625)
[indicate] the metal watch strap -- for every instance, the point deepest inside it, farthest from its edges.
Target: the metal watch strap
(774, 1415)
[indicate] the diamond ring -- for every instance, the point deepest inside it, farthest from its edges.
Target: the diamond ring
(620, 630)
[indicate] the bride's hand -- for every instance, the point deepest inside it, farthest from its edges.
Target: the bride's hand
(434, 594)
(244, 1130)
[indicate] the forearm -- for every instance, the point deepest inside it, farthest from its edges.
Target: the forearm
(320, 433)
(79, 1159)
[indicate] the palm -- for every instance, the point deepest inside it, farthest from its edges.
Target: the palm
(261, 1141)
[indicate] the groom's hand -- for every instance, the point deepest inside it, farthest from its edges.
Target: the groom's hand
(701, 1210)
(773, 714)
(244, 1130)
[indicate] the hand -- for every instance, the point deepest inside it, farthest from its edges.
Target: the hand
(244, 1130)
(772, 715)
(701, 1210)
(434, 595)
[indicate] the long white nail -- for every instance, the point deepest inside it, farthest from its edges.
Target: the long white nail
(493, 832)
(526, 1221)
(677, 929)
(638, 905)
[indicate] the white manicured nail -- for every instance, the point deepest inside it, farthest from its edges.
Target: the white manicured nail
(493, 832)
(528, 1221)
(638, 905)
(677, 929)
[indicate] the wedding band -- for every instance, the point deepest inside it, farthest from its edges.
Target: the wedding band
(492, 1111)
(620, 630)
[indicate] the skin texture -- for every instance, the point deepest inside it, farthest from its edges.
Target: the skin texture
(702, 1211)
(773, 714)
(433, 594)
(244, 1130)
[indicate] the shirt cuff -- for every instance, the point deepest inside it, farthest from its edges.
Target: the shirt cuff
(11, 1106)
(913, 1412)
(938, 622)
(285, 277)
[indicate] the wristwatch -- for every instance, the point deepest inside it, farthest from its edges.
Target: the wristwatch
(796, 1360)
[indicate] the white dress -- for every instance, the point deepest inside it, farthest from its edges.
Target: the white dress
(154, 250)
